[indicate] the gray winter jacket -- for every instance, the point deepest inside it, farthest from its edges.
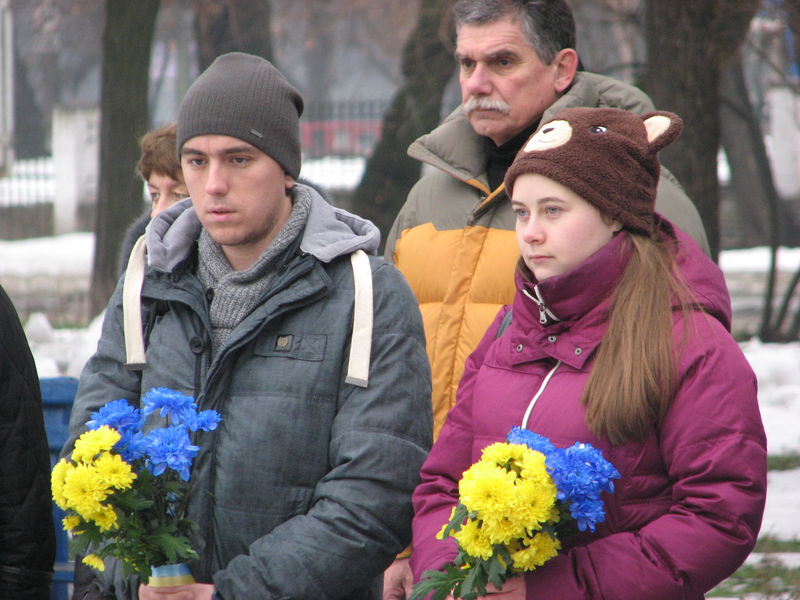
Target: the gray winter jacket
(304, 489)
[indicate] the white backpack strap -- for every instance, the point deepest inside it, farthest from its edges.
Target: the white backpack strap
(132, 307)
(361, 340)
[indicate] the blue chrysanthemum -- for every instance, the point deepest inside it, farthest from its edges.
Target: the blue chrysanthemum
(206, 420)
(172, 405)
(170, 448)
(581, 474)
(537, 442)
(588, 512)
(131, 447)
(119, 415)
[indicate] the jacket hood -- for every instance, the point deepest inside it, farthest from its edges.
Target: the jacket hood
(702, 275)
(329, 232)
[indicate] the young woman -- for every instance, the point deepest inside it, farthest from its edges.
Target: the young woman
(618, 337)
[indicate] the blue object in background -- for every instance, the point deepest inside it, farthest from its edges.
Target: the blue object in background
(57, 396)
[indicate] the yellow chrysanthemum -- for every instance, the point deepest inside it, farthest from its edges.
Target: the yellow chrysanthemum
(57, 478)
(487, 490)
(534, 502)
(503, 530)
(503, 454)
(70, 523)
(84, 490)
(474, 541)
(115, 472)
(533, 466)
(105, 518)
(92, 443)
(541, 548)
(94, 561)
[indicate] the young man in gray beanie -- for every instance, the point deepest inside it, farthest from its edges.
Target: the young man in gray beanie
(260, 300)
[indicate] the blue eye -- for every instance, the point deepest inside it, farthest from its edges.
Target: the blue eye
(598, 129)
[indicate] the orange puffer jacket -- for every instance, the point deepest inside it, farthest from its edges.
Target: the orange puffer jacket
(454, 237)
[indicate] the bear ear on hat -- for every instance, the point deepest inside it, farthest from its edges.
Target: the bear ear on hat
(662, 129)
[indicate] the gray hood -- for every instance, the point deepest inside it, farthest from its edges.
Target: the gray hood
(329, 233)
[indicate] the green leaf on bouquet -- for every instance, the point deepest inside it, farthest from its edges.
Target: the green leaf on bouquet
(176, 549)
(459, 515)
(441, 583)
(498, 570)
(475, 582)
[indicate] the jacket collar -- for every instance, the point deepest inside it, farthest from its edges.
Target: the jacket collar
(573, 294)
(566, 316)
(328, 234)
(579, 299)
(456, 149)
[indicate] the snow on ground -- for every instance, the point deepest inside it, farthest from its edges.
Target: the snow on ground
(777, 366)
(757, 259)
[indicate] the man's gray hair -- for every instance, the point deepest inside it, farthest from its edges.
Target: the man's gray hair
(548, 25)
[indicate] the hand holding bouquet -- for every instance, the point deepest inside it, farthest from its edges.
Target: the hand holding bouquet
(515, 505)
(124, 490)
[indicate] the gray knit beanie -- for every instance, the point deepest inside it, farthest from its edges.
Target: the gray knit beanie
(245, 97)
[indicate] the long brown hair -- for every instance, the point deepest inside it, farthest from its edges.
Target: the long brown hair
(633, 379)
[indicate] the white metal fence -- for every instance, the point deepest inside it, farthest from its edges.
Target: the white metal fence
(30, 181)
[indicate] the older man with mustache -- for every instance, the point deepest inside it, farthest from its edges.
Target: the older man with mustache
(454, 237)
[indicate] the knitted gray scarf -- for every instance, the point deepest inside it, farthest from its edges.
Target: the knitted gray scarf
(236, 293)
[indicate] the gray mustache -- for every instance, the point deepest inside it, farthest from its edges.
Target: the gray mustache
(476, 103)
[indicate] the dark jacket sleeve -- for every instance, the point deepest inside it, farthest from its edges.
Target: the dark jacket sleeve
(361, 514)
(27, 535)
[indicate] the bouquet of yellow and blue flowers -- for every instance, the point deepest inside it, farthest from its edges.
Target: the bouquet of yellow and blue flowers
(515, 505)
(124, 488)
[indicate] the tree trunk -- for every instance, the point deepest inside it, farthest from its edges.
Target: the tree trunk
(232, 26)
(752, 184)
(318, 52)
(29, 122)
(415, 109)
(688, 43)
(127, 40)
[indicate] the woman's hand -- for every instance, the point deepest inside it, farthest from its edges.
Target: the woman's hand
(397, 580)
(513, 589)
(193, 591)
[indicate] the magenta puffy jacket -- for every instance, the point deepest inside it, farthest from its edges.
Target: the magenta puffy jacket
(687, 509)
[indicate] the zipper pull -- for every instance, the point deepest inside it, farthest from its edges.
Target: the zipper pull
(540, 303)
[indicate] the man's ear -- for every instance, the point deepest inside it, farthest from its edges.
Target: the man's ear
(566, 65)
(288, 181)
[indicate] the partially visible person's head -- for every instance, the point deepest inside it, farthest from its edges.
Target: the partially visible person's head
(516, 58)
(238, 139)
(547, 25)
(160, 169)
(604, 158)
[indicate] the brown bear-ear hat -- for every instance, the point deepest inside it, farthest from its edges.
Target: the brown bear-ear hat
(607, 156)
